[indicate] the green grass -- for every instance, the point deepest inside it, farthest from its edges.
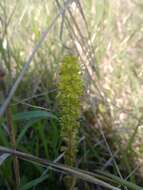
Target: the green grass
(115, 33)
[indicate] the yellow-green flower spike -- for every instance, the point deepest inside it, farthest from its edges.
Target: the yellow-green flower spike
(70, 92)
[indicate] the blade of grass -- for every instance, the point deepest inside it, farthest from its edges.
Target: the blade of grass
(34, 182)
(33, 115)
(71, 171)
(24, 130)
(3, 157)
(121, 181)
(34, 51)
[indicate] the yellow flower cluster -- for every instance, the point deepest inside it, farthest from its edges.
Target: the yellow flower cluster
(70, 92)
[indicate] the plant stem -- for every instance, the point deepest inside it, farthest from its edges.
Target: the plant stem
(11, 134)
(13, 143)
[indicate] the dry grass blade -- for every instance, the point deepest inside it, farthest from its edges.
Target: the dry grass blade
(71, 171)
(3, 157)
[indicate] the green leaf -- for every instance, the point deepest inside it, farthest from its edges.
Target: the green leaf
(3, 138)
(24, 130)
(33, 115)
(120, 181)
(34, 182)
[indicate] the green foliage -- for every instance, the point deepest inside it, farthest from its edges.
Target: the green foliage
(70, 92)
(116, 35)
